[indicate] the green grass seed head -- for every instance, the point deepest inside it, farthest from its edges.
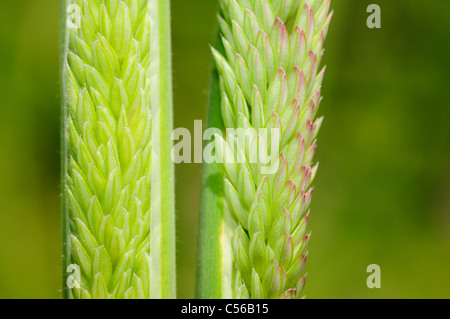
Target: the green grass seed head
(108, 133)
(270, 78)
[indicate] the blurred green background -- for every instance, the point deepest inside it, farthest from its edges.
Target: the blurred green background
(382, 194)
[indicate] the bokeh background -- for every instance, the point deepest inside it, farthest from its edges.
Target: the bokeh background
(382, 194)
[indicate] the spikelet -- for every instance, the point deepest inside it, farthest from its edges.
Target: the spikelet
(269, 78)
(108, 134)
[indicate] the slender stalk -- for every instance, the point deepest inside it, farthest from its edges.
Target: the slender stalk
(211, 224)
(162, 243)
(63, 141)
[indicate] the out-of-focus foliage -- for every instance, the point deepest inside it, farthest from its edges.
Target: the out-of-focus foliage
(382, 194)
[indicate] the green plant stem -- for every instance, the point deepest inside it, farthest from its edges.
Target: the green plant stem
(63, 142)
(162, 223)
(212, 273)
(209, 271)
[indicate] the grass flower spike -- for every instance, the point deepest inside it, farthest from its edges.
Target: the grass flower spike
(268, 65)
(111, 92)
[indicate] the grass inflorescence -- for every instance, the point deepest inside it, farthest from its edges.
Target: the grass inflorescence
(108, 138)
(268, 68)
